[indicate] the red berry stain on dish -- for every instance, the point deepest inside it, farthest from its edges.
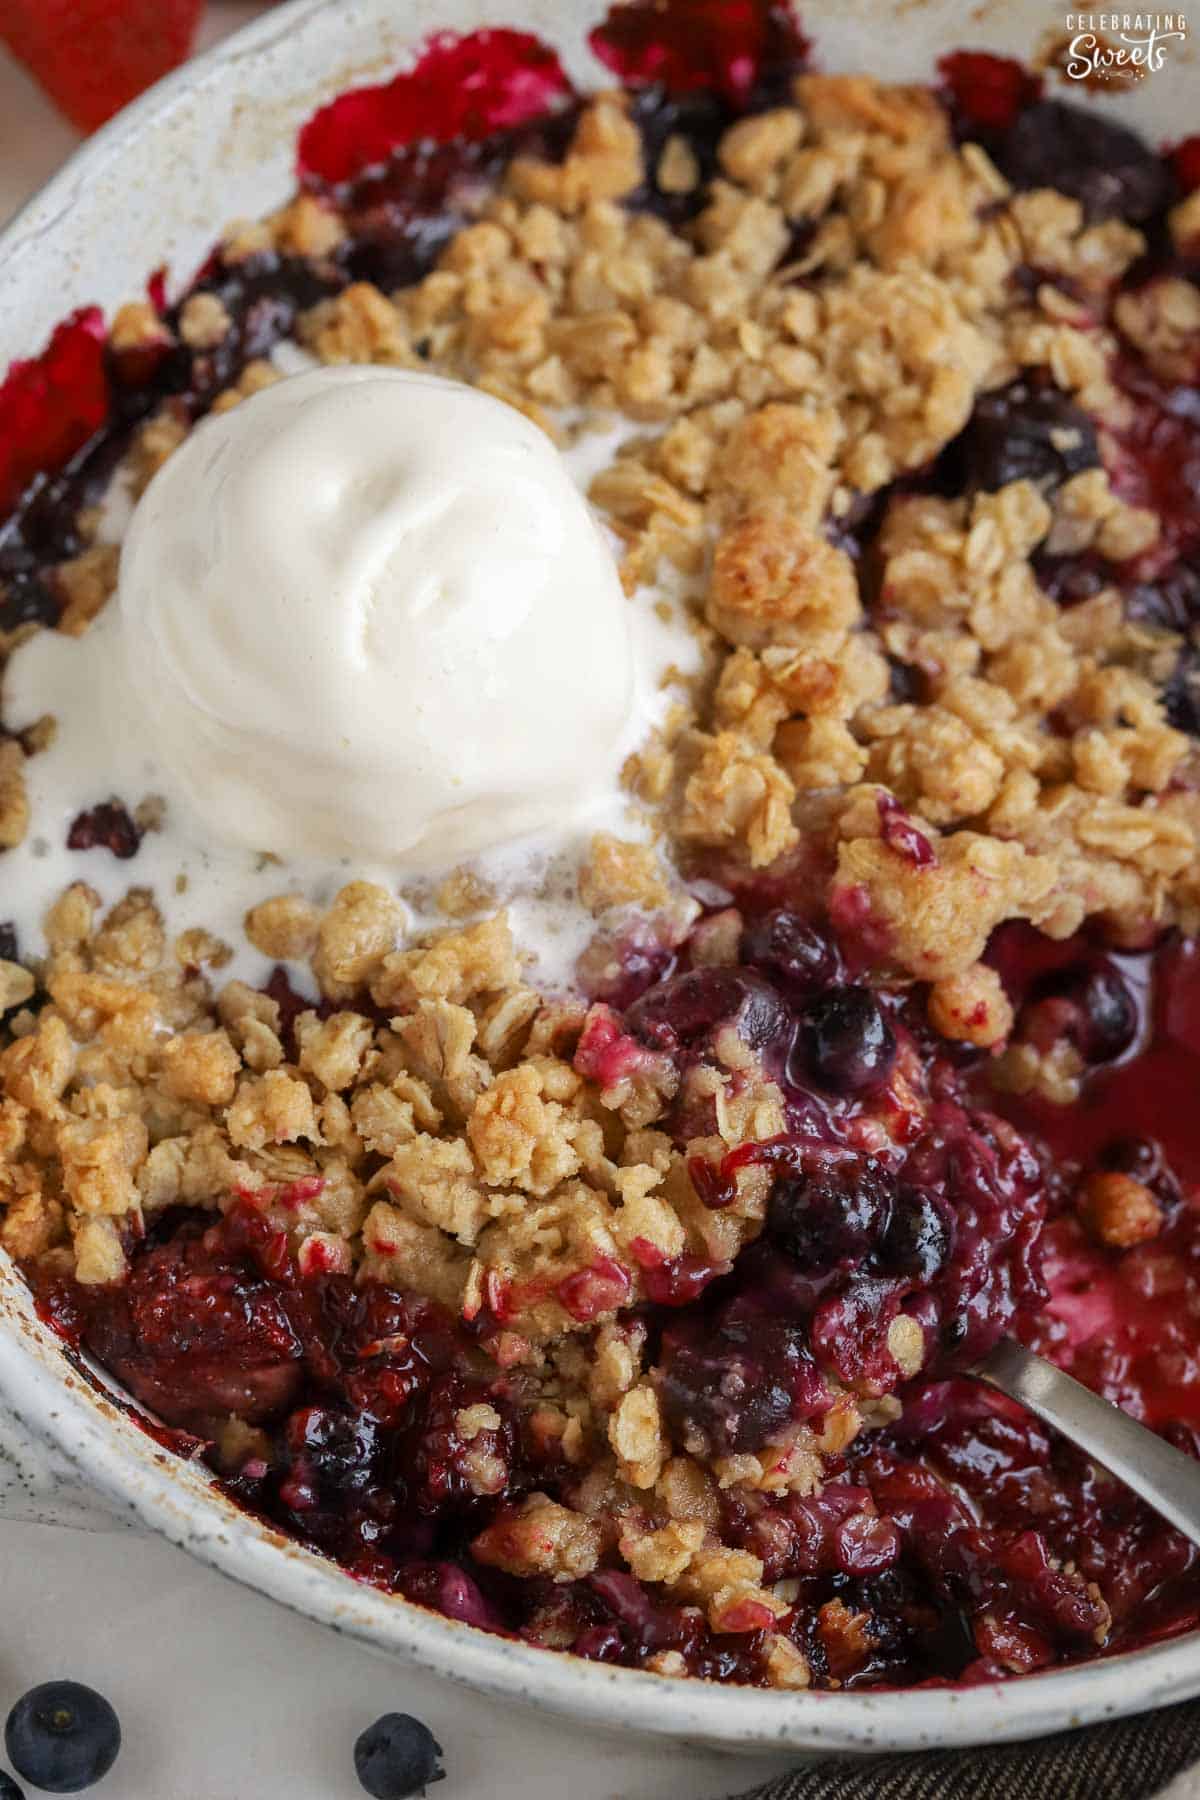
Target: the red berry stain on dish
(460, 89)
(725, 47)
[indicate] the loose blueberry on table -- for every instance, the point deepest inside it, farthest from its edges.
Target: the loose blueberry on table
(636, 1323)
(63, 1737)
(397, 1757)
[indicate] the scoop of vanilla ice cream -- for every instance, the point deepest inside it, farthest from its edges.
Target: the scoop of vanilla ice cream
(368, 613)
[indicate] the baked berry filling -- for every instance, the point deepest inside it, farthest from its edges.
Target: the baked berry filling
(904, 1232)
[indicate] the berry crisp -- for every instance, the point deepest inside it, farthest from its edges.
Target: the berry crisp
(634, 1319)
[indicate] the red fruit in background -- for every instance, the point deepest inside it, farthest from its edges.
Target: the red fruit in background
(92, 56)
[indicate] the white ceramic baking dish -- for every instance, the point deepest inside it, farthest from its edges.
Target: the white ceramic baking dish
(210, 144)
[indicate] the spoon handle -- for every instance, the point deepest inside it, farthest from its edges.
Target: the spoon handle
(1164, 1477)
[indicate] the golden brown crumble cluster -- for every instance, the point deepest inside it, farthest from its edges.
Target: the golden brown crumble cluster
(470, 1140)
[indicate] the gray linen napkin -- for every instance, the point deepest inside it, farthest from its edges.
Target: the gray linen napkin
(1128, 1760)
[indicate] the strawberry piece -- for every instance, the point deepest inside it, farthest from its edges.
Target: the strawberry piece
(1185, 160)
(988, 91)
(50, 405)
(92, 56)
(462, 87)
(721, 46)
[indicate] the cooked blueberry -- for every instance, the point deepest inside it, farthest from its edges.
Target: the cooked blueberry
(1110, 1015)
(1099, 1016)
(1070, 579)
(918, 1239)
(791, 950)
(729, 1388)
(698, 119)
(1025, 432)
(691, 1006)
(8, 942)
(1181, 696)
(330, 1453)
(262, 298)
(846, 1043)
(906, 683)
(1107, 168)
(1172, 601)
(840, 1212)
(397, 1756)
(9, 1789)
(62, 1736)
(25, 597)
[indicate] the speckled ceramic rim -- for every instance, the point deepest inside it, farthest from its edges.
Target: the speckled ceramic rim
(212, 142)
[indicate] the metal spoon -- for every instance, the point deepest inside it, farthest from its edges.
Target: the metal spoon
(1162, 1476)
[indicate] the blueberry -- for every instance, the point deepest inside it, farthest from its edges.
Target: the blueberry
(1026, 433)
(1172, 601)
(917, 1242)
(397, 1756)
(1181, 696)
(700, 120)
(1070, 579)
(330, 1454)
(1108, 169)
(839, 1213)
(1102, 1016)
(1110, 1015)
(906, 684)
(846, 1042)
(9, 1789)
(25, 598)
(791, 950)
(732, 1386)
(692, 1006)
(62, 1737)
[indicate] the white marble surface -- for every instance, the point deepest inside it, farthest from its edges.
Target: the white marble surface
(222, 1695)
